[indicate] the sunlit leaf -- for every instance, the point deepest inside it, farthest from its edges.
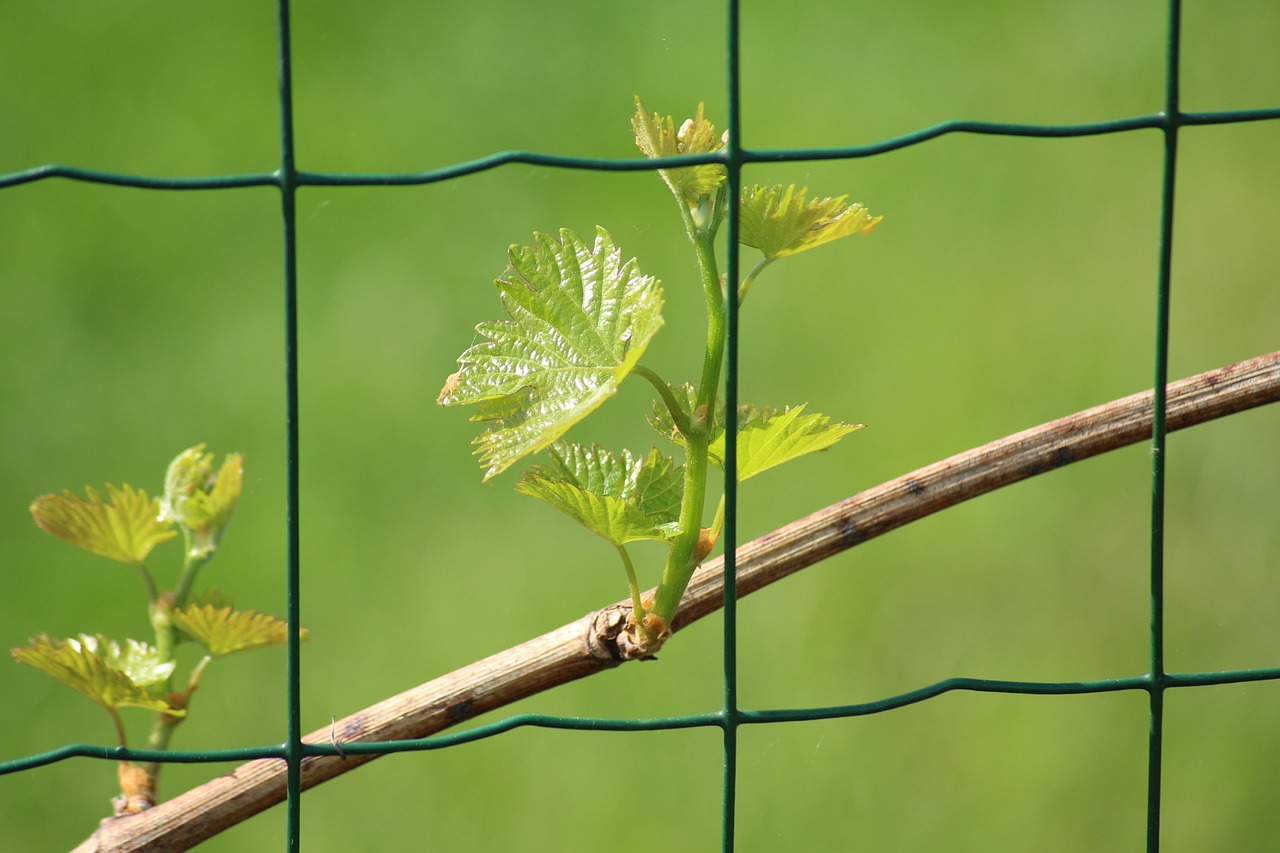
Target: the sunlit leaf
(111, 675)
(779, 221)
(580, 319)
(620, 497)
(222, 630)
(125, 527)
(658, 137)
(200, 498)
(767, 438)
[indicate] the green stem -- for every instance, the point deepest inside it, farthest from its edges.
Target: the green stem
(190, 566)
(668, 398)
(681, 560)
(167, 640)
(713, 357)
(161, 732)
(164, 724)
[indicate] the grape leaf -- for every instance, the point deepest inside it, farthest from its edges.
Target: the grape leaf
(686, 396)
(580, 319)
(658, 137)
(621, 498)
(200, 498)
(124, 528)
(222, 630)
(112, 676)
(767, 438)
(779, 222)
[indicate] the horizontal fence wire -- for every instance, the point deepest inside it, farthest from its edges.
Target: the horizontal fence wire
(746, 156)
(288, 179)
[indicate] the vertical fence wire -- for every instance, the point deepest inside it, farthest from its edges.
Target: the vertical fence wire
(733, 163)
(288, 179)
(1155, 745)
(288, 183)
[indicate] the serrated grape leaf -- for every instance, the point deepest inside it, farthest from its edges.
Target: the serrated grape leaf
(779, 221)
(580, 319)
(222, 630)
(767, 438)
(112, 676)
(125, 527)
(658, 137)
(621, 498)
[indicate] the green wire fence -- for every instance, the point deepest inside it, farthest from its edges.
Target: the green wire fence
(287, 178)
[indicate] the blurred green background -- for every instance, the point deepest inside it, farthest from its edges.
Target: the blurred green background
(1011, 282)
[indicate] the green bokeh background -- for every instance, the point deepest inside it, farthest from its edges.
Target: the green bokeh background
(1011, 282)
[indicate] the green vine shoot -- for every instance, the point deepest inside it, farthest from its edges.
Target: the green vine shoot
(124, 526)
(580, 321)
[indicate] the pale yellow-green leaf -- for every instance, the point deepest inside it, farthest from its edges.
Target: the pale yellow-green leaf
(111, 676)
(222, 630)
(767, 438)
(619, 497)
(200, 498)
(779, 221)
(659, 137)
(124, 527)
(580, 319)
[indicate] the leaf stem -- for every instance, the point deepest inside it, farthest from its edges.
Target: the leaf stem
(148, 581)
(193, 683)
(637, 604)
(668, 398)
(751, 277)
(717, 522)
(119, 724)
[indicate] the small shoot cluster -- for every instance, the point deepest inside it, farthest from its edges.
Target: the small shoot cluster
(580, 320)
(124, 526)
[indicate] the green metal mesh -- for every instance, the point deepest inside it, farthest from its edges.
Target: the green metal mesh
(730, 717)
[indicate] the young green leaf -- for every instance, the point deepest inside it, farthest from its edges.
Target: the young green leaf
(111, 676)
(222, 630)
(125, 527)
(200, 498)
(580, 319)
(686, 397)
(767, 438)
(779, 222)
(213, 596)
(658, 137)
(621, 498)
